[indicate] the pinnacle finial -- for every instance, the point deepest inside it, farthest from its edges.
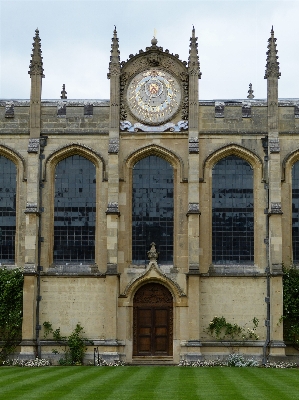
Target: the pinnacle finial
(63, 92)
(154, 41)
(36, 62)
(193, 62)
(114, 65)
(250, 92)
(152, 253)
(272, 66)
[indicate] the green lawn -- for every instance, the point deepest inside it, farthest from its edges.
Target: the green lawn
(142, 383)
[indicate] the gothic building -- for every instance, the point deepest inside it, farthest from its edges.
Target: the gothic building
(144, 216)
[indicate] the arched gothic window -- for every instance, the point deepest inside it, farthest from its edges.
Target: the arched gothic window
(232, 214)
(295, 212)
(152, 214)
(74, 210)
(8, 174)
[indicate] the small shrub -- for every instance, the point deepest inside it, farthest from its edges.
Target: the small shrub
(11, 308)
(74, 344)
(291, 306)
(220, 329)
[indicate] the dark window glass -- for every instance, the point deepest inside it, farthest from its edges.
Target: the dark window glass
(74, 210)
(295, 212)
(8, 173)
(152, 219)
(232, 214)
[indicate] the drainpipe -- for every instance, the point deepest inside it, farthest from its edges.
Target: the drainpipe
(267, 270)
(43, 143)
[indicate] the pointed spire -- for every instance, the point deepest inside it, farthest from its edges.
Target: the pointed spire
(272, 66)
(114, 65)
(36, 62)
(250, 92)
(193, 61)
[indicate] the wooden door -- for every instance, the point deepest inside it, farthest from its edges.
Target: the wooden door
(153, 321)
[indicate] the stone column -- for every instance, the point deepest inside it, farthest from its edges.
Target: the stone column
(272, 75)
(113, 149)
(31, 269)
(193, 167)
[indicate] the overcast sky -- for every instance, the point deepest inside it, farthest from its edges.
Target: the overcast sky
(76, 39)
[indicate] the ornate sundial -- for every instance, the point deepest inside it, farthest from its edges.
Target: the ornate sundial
(153, 96)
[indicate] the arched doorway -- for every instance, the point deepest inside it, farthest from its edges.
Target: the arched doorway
(152, 321)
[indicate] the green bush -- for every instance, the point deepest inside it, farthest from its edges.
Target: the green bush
(291, 305)
(11, 307)
(74, 344)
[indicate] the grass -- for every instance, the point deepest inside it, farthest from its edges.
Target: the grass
(144, 383)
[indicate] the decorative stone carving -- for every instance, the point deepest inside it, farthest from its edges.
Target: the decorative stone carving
(36, 62)
(153, 293)
(31, 208)
(61, 109)
(29, 269)
(113, 147)
(276, 208)
(219, 109)
(123, 111)
(274, 146)
(168, 127)
(112, 208)
(33, 146)
(63, 92)
(193, 145)
(152, 254)
(153, 272)
(250, 92)
(246, 110)
(193, 208)
(9, 109)
(272, 66)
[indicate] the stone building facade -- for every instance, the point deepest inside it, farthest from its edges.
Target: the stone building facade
(145, 216)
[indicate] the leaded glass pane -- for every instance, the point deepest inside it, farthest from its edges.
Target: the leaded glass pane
(74, 210)
(295, 212)
(8, 173)
(232, 212)
(152, 217)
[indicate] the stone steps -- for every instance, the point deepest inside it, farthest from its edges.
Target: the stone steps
(153, 361)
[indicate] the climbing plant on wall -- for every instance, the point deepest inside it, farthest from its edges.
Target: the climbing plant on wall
(11, 306)
(291, 306)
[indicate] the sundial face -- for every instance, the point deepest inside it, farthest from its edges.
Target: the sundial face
(154, 96)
